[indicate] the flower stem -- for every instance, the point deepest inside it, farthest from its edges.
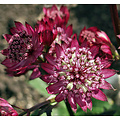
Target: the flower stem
(115, 21)
(69, 108)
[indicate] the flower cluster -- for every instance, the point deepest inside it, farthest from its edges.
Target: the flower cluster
(74, 69)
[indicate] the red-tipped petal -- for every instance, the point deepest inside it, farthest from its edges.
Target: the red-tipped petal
(60, 97)
(7, 63)
(72, 102)
(106, 49)
(74, 42)
(35, 74)
(45, 10)
(106, 85)
(94, 50)
(54, 7)
(93, 29)
(59, 50)
(7, 37)
(13, 30)
(5, 52)
(29, 28)
(55, 88)
(48, 68)
(108, 72)
(20, 26)
(69, 31)
(7, 108)
(81, 103)
(48, 80)
(50, 59)
(106, 63)
(98, 94)
(89, 103)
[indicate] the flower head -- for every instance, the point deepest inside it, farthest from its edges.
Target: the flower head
(60, 17)
(23, 50)
(6, 109)
(94, 37)
(76, 74)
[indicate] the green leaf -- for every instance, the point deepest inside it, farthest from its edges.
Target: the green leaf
(60, 110)
(40, 86)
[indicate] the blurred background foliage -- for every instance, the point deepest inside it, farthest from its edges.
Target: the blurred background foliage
(24, 93)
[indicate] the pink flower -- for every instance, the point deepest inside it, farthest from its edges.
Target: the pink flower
(23, 50)
(94, 37)
(77, 74)
(6, 109)
(60, 17)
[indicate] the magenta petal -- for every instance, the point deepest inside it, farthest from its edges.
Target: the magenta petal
(80, 37)
(38, 52)
(55, 88)
(108, 72)
(29, 29)
(20, 26)
(74, 42)
(89, 103)
(72, 102)
(93, 29)
(106, 86)
(5, 106)
(13, 30)
(60, 97)
(7, 63)
(48, 68)
(94, 50)
(23, 63)
(35, 74)
(81, 103)
(98, 94)
(106, 63)
(5, 52)
(48, 80)
(7, 37)
(69, 31)
(59, 50)
(45, 10)
(106, 49)
(50, 59)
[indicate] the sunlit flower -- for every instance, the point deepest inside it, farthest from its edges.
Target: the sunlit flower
(76, 74)
(6, 109)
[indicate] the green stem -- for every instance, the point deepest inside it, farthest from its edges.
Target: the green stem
(69, 108)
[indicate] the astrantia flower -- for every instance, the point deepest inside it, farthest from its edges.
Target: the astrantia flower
(23, 50)
(94, 37)
(76, 74)
(6, 109)
(60, 17)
